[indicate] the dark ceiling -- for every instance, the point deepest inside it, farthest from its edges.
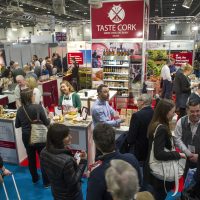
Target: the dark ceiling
(35, 11)
(173, 8)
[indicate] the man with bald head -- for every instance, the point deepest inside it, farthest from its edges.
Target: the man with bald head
(21, 85)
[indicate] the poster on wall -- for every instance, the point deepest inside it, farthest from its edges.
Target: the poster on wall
(119, 19)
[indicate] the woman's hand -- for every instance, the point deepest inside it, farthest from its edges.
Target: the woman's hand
(182, 155)
(6, 172)
(83, 155)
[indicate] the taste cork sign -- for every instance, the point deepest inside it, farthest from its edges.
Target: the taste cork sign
(119, 19)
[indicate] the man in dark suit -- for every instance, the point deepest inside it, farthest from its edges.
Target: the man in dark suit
(137, 135)
(104, 138)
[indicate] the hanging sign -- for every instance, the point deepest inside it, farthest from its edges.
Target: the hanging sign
(120, 19)
(182, 57)
(78, 57)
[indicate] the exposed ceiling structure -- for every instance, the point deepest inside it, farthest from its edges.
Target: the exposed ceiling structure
(32, 12)
(165, 11)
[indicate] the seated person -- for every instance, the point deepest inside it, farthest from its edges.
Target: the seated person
(69, 99)
(101, 110)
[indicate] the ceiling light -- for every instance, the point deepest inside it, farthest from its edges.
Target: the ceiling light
(48, 12)
(174, 5)
(172, 12)
(77, 10)
(85, 13)
(68, 17)
(173, 27)
(14, 29)
(156, 10)
(67, 6)
(195, 28)
(20, 5)
(187, 3)
(64, 30)
(36, 8)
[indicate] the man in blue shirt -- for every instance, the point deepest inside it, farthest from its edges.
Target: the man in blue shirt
(102, 111)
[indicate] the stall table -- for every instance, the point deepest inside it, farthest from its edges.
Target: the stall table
(49, 86)
(11, 146)
(10, 94)
(82, 139)
(3, 100)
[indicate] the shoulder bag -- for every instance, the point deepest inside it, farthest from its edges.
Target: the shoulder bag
(170, 170)
(38, 130)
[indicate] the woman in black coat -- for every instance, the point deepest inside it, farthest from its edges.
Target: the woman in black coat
(163, 114)
(182, 88)
(34, 111)
(63, 169)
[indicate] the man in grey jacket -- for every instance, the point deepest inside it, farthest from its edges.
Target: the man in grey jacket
(187, 133)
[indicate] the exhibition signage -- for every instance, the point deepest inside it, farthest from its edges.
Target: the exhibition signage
(182, 57)
(120, 19)
(78, 57)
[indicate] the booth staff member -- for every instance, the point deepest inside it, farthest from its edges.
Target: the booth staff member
(101, 110)
(69, 98)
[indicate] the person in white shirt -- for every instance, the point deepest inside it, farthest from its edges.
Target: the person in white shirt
(167, 81)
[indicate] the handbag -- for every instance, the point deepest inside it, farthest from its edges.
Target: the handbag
(170, 170)
(38, 130)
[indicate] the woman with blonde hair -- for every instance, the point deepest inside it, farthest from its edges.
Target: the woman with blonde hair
(69, 98)
(31, 83)
(182, 88)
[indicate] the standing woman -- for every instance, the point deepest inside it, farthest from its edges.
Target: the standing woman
(182, 88)
(163, 114)
(75, 74)
(69, 98)
(33, 111)
(64, 171)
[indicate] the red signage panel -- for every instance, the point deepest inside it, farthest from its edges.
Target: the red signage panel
(77, 55)
(120, 19)
(182, 57)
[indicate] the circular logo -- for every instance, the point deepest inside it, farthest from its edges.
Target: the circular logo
(116, 14)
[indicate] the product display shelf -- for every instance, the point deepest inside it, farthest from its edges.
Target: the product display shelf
(116, 70)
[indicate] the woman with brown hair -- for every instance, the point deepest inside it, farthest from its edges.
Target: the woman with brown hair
(69, 98)
(34, 111)
(162, 140)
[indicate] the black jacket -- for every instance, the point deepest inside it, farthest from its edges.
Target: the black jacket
(63, 172)
(137, 135)
(23, 121)
(97, 184)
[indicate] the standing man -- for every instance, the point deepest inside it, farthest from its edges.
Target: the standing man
(167, 81)
(187, 133)
(17, 71)
(21, 85)
(104, 139)
(102, 111)
(137, 135)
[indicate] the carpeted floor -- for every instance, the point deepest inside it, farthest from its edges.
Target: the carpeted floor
(29, 191)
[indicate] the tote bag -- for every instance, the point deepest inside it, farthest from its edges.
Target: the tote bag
(170, 170)
(38, 130)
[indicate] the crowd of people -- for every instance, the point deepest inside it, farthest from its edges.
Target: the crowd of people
(114, 175)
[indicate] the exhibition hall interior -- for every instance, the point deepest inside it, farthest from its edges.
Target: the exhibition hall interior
(100, 99)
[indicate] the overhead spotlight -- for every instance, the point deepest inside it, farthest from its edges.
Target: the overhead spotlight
(187, 3)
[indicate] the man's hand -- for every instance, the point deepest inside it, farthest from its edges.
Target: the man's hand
(193, 157)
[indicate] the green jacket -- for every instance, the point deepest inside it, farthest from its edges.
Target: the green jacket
(75, 100)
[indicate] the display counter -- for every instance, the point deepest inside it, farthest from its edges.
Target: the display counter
(10, 94)
(3, 100)
(82, 138)
(49, 91)
(11, 146)
(88, 97)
